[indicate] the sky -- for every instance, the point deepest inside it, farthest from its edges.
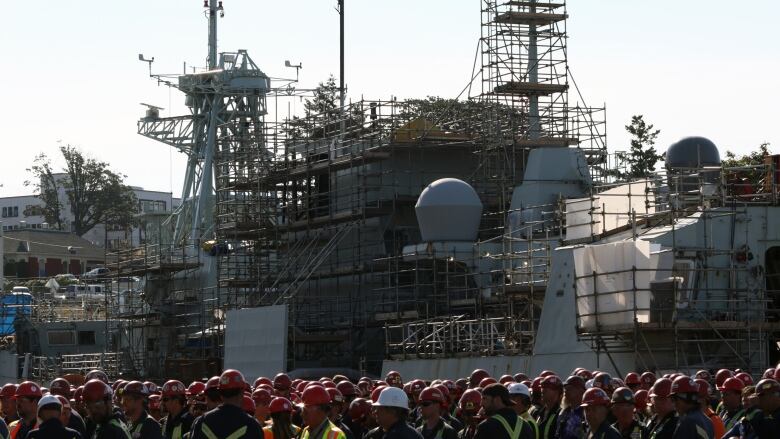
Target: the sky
(71, 72)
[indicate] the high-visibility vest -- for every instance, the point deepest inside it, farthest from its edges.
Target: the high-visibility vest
(15, 427)
(331, 432)
(268, 432)
(116, 423)
(513, 433)
(210, 434)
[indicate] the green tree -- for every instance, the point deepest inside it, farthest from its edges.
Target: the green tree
(94, 193)
(751, 159)
(642, 156)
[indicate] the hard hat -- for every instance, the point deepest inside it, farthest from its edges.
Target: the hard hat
(486, 382)
(96, 374)
(28, 389)
(732, 384)
(551, 382)
(280, 405)
(477, 376)
(536, 385)
(337, 379)
(262, 380)
(684, 387)
(96, 390)
(471, 400)
(745, 378)
(640, 399)
(346, 388)
(136, 388)
(329, 384)
(595, 396)
(195, 388)
(721, 376)
(767, 386)
(8, 391)
(282, 382)
(648, 379)
(117, 384)
(662, 388)
(49, 400)
(212, 383)
(392, 397)
(151, 387)
(777, 374)
(262, 397)
(576, 381)
(394, 378)
(703, 374)
(359, 409)
(603, 381)
(431, 394)
(64, 401)
(60, 386)
(623, 394)
(232, 379)
(506, 379)
(520, 377)
(154, 402)
(417, 386)
(248, 405)
(378, 390)
(77, 394)
(315, 395)
(173, 388)
(769, 373)
(584, 374)
(335, 396)
(632, 379)
(704, 388)
(546, 373)
(519, 389)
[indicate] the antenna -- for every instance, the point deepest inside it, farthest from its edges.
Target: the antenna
(297, 67)
(149, 61)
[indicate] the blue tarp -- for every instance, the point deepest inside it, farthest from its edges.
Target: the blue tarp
(12, 306)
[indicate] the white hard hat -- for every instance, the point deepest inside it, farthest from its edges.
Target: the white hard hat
(49, 400)
(393, 397)
(519, 389)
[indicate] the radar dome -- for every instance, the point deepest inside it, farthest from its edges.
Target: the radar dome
(448, 210)
(692, 152)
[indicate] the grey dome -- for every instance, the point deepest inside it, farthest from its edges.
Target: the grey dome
(692, 152)
(448, 210)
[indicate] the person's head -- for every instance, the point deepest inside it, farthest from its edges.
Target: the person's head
(731, 393)
(49, 407)
(282, 384)
(134, 396)
(262, 399)
(231, 388)
(97, 397)
(173, 397)
(573, 389)
(431, 400)
(521, 396)
(595, 402)
(495, 397)
(633, 382)
(660, 397)
(348, 391)
(623, 403)
(360, 411)
(155, 407)
(212, 393)
(391, 407)
(768, 391)
(336, 403)
(66, 410)
(685, 394)
(8, 399)
(27, 395)
(316, 405)
(469, 405)
(749, 397)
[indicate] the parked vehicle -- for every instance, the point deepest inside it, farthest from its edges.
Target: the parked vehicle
(97, 273)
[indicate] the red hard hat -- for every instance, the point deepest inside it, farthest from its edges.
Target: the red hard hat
(486, 382)
(173, 388)
(703, 374)
(745, 378)
(117, 384)
(212, 383)
(732, 384)
(77, 394)
(648, 379)
(704, 387)
(394, 378)
(96, 390)
(248, 405)
(444, 391)
(520, 377)
(64, 401)
(431, 394)
(300, 387)
(359, 409)
(262, 397)
(417, 386)
(329, 384)
(640, 399)
(280, 405)
(767, 386)
(584, 374)
(632, 379)
(506, 379)
(346, 388)
(60, 386)
(335, 396)
(551, 382)
(136, 388)
(595, 396)
(575, 381)
(536, 385)
(315, 395)
(721, 376)
(8, 391)
(769, 373)
(477, 376)
(195, 388)
(546, 373)
(154, 402)
(452, 389)
(262, 380)
(661, 388)
(603, 380)
(623, 394)
(377, 390)
(471, 400)
(96, 374)
(232, 379)
(684, 385)
(777, 374)
(28, 389)
(282, 382)
(151, 387)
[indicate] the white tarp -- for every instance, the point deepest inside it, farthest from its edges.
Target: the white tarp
(608, 210)
(256, 340)
(608, 297)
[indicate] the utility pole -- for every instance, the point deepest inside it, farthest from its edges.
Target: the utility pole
(342, 90)
(214, 7)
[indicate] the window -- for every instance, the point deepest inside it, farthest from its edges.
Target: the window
(61, 338)
(87, 338)
(152, 205)
(11, 212)
(5, 212)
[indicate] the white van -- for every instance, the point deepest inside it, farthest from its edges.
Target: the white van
(90, 292)
(23, 290)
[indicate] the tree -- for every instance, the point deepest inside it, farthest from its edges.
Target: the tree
(94, 193)
(320, 111)
(752, 159)
(642, 157)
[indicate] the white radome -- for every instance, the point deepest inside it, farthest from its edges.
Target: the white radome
(448, 210)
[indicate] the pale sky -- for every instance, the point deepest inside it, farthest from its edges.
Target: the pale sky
(71, 69)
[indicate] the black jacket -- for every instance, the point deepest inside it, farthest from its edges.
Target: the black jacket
(605, 431)
(53, 429)
(660, 428)
(181, 420)
(442, 430)
(694, 425)
(76, 422)
(224, 421)
(492, 428)
(401, 430)
(112, 428)
(145, 428)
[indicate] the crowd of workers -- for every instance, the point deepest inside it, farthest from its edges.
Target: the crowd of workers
(586, 404)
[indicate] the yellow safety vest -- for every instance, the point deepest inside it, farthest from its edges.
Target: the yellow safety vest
(210, 434)
(330, 432)
(513, 433)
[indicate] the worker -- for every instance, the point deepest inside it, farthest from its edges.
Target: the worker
(640, 406)
(718, 427)
(174, 401)
(134, 401)
(692, 423)
(393, 379)
(595, 403)
(521, 396)
(768, 391)
(61, 387)
(105, 424)
(469, 406)
(281, 426)
(633, 382)
(392, 410)
(27, 395)
(262, 399)
(51, 425)
(349, 392)
(664, 419)
(547, 417)
(336, 410)
(432, 402)
(731, 409)
(229, 419)
(282, 384)
(647, 379)
(213, 399)
(155, 407)
(502, 421)
(622, 404)
(316, 409)
(8, 400)
(571, 417)
(536, 398)
(360, 420)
